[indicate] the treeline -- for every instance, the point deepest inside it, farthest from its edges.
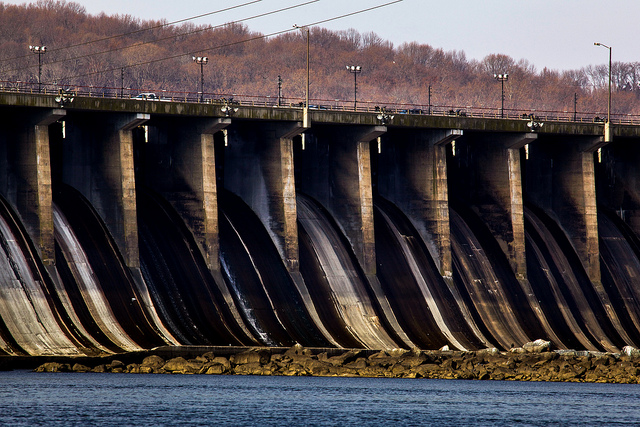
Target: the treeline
(114, 51)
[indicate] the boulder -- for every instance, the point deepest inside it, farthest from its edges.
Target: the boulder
(359, 363)
(251, 356)
(222, 361)
(133, 368)
(537, 346)
(630, 351)
(153, 362)
(252, 368)
(318, 367)
(77, 367)
(413, 360)
(116, 366)
(179, 365)
(345, 358)
(490, 351)
(53, 367)
(216, 369)
(398, 352)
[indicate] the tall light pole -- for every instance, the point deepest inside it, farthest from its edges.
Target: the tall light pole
(502, 77)
(39, 50)
(202, 60)
(355, 70)
(306, 95)
(609, 103)
(305, 113)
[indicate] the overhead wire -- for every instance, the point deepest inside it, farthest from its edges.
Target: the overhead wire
(188, 33)
(141, 30)
(258, 37)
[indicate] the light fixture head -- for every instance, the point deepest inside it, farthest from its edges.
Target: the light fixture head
(200, 59)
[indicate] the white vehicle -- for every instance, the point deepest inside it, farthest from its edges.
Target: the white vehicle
(148, 96)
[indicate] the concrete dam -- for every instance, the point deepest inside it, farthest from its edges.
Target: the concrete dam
(130, 224)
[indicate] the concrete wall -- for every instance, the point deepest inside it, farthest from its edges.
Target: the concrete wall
(335, 169)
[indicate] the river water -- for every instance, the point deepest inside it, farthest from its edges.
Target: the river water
(70, 399)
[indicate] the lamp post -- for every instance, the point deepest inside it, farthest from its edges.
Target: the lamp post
(355, 70)
(39, 50)
(609, 103)
(502, 77)
(202, 60)
(305, 112)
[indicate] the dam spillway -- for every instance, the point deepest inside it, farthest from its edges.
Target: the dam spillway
(129, 224)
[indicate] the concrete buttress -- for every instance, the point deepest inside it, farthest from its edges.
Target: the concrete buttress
(98, 162)
(336, 171)
(259, 169)
(179, 163)
(412, 173)
(561, 180)
(26, 178)
(489, 180)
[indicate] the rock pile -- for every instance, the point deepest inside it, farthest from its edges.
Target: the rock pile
(530, 363)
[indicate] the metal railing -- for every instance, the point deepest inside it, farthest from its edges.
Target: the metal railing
(323, 104)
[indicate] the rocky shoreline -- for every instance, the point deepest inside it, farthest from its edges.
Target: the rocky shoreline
(533, 362)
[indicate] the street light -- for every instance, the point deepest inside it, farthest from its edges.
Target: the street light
(609, 103)
(355, 70)
(39, 50)
(306, 102)
(502, 77)
(202, 60)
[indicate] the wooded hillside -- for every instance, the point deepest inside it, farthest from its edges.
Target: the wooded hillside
(106, 51)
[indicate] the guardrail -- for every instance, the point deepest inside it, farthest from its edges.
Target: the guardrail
(323, 104)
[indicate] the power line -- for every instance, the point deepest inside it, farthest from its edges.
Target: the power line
(209, 49)
(141, 30)
(188, 33)
(199, 30)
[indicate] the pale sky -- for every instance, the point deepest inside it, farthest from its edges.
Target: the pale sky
(557, 34)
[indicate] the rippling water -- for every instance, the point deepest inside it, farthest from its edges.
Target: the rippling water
(29, 399)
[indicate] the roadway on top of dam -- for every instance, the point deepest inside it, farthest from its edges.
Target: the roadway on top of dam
(437, 120)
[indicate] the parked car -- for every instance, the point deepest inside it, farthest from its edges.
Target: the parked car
(411, 111)
(147, 96)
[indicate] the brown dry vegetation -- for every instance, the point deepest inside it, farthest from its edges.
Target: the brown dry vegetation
(243, 63)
